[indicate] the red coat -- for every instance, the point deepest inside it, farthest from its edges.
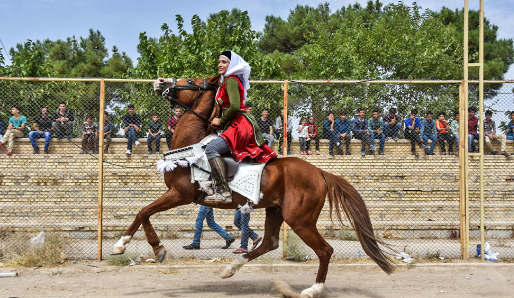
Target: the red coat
(240, 133)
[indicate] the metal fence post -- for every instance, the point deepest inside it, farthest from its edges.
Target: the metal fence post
(284, 147)
(100, 168)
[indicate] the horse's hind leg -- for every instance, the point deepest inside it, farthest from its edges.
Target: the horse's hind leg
(270, 242)
(311, 237)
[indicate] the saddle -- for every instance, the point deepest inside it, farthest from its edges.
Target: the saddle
(244, 178)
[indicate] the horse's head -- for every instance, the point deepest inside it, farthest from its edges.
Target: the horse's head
(186, 92)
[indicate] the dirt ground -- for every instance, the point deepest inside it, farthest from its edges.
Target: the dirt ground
(92, 279)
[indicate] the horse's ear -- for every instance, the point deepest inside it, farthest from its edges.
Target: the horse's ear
(214, 80)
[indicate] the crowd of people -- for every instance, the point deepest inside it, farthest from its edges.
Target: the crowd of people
(424, 133)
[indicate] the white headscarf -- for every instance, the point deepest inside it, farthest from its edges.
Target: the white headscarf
(240, 68)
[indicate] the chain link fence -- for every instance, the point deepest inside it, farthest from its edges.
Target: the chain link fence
(413, 199)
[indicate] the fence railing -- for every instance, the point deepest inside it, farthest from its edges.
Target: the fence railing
(89, 199)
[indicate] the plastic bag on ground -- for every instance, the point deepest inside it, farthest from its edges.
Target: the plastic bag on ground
(39, 240)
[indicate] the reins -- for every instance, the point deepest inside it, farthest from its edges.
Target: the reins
(170, 93)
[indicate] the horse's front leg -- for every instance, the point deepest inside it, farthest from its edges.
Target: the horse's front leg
(170, 199)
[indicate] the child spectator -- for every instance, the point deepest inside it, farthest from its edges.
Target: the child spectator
(312, 134)
(428, 132)
(15, 129)
(172, 123)
(89, 134)
(454, 128)
(302, 134)
(42, 127)
(443, 134)
(266, 127)
(472, 129)
(108, 129)
(376, 128)
(279, 131)
(392, 124)
(330, 133)
(343, 127)
(509, 131)
(411, 132)
(154, 133)
(490, 135)
(361, 132)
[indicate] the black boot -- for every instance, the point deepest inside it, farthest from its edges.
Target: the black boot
(220, 181)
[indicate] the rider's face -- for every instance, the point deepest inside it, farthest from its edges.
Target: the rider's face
(223, 65)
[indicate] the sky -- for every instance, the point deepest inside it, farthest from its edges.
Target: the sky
(120, 22)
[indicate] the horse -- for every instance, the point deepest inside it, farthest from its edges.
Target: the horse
(293, 191)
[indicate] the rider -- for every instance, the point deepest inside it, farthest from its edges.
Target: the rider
(241, 135)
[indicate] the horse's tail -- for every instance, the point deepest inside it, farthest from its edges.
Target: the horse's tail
(341, 194)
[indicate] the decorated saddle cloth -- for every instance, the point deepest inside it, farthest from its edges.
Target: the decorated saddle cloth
(245, 178)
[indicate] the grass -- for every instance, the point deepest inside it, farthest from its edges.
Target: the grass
(19, 251)
(296, 249)
(122, 260)
(269, 262)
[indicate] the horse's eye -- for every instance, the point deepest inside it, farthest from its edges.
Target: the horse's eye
(190, 82)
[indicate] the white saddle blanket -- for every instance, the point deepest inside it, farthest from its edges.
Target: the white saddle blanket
(246, 182)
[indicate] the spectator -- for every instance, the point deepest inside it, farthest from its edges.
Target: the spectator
(472, 129)
(1, 128)
(42, 128)
(15, 129)
(312, 134)
(343, 127)
(361, 132)
(443, 134)
(63, 121)
(249, 107)
(428, 132)
(302, 135)
(241, 221)
(172, 123)
(412, 129)
(108, 129)
(89, 135)
(266, 127)
(392, 124)
(509, 131)
(132, 123)
(154, 133)
(454, 128)
(376, 128)
(207, 213)
(329, 133)
(490, 135)
(279, 130)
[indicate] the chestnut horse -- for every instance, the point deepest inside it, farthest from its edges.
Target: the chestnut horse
(293, 191)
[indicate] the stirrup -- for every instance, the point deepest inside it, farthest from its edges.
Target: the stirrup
(218, 197)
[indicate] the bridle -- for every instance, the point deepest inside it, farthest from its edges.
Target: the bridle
(170, 93)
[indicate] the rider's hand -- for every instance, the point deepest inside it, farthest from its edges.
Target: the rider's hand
(215, 123)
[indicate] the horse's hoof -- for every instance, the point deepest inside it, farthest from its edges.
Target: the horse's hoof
(118, 250)
(161, 255)
(227, 274)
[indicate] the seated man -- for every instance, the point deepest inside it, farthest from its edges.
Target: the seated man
(376, 128)
(63, 122)
(154, 133)
(361, 132)
(42, 128)
(329, 132)
(266, 126)
(15, 129)
(108, 129)
(428, 132)
(509, 131)
(411, 132)
(454, 129)
(443, 134)
(392, 124)
(490, 135)
(472, 129)
(279, 131)
(132, 124)
(343, 128)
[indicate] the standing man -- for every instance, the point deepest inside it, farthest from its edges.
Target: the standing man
(490, 135)
(63, 122)
(361, 131)
(329, 132)
(206, 213)
(42, 127)
(266, 126)
(376, 127)
(15, 129)
(428, 131)
(392, 124)
(343, 127)
(279, 130)
(172, 123)
(132, 123)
